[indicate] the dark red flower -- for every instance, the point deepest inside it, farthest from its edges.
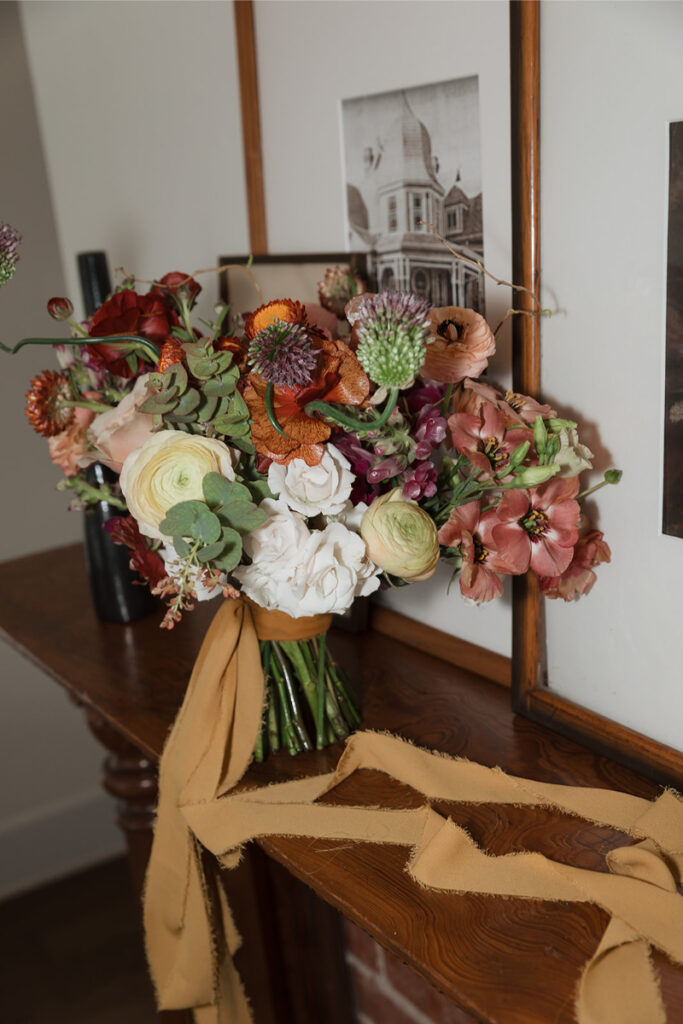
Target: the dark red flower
(146, 563)
(127, 312)
(170, 283)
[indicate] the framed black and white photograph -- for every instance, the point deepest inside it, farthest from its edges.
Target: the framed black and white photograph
(412, 158)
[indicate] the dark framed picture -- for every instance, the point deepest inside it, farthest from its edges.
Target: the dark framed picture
(281, 276)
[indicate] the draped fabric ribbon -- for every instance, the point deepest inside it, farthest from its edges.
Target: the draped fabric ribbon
(191, 936)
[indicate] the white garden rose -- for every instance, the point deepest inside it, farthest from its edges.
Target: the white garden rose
(280, 539)
(323, 576)
(311, 490)
(167, 469)
(175, 567)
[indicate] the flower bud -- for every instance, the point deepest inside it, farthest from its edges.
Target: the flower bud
(613, 476)
(60, 308)
(533, 476)
(400, 537)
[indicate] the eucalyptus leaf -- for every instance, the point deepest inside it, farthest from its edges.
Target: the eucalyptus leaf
(242, 516)
(189, 402)
(232, 545)
(207, 408)
(182, 547)
(192, 519)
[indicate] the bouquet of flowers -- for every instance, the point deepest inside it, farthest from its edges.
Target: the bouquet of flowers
(302, 455)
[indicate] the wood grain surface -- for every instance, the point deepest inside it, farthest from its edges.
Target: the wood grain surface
(504, 961)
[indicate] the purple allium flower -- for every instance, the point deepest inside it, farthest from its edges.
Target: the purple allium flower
(283, 354)
(10, 240)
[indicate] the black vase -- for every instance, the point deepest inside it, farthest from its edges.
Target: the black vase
(116, 597)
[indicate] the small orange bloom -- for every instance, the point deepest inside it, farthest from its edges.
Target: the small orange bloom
(237, 347)
(172, 352)
(45, 407)
(280, 309)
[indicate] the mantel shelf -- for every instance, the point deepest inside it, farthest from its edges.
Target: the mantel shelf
(503, 961)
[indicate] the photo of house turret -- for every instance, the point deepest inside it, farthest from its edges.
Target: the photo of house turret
(405, 171)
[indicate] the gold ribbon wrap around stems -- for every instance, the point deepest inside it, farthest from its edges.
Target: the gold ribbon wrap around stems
(191, 937)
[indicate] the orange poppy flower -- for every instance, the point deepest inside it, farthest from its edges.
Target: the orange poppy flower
(339, 378)
(280, 309)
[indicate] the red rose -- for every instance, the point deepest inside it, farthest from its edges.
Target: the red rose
(127, 312)
(172, 282)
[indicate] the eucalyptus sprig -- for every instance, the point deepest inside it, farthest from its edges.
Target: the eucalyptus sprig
(209, 533)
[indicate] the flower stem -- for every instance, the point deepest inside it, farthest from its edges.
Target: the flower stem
(130, 340)
(350, 422)
(86, 404)
(270, 412)
(296, 719)
(446, 400)
(320, 708)
(289, 736)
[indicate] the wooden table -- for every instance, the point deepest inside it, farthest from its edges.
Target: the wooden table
(501, 961)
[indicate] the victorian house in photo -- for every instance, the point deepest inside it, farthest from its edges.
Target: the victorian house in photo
(389, 210)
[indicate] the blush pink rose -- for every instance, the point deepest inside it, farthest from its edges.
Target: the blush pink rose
(117, 433)
(70, 449)
(461, 344)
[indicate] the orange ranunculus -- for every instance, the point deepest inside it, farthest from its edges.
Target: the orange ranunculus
(280, 309)
(339, 378)
(461, 346)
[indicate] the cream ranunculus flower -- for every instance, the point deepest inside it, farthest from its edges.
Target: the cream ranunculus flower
(401, 537)
(311, 490)
(167, 469)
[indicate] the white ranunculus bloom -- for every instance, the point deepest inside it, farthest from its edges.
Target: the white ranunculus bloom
(167, 469)
(174, 569)
(311, 490)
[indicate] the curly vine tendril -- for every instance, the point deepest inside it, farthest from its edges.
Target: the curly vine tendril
(125, 340)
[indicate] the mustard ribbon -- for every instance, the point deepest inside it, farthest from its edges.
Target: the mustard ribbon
(191, 936)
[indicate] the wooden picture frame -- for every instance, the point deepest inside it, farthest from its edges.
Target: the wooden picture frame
(531, 695)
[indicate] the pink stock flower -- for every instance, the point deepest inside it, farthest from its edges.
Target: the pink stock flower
(485, 439)
(488, 552)
(578, 578)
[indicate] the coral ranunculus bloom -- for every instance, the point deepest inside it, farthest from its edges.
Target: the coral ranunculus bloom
(339, 377)
(461, 346)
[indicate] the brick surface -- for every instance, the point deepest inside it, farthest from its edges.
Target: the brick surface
(361, 946)
(374, 1006)
(422, 995)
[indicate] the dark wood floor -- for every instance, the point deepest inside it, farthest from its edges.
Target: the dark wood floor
(71, 953)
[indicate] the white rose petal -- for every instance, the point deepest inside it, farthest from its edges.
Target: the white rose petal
(312, 490)
(278, 540)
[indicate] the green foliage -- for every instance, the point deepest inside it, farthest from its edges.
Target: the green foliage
(205, 400)
(209, 533)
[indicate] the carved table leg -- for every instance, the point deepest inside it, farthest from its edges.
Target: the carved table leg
(130, 776)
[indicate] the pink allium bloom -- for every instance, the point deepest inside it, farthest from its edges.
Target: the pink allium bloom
(550, 522)
(578, 578)
(488, 552)
(484, 439)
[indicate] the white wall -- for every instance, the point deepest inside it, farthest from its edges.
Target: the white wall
(611, 79)
(139, 152)
(53, 816)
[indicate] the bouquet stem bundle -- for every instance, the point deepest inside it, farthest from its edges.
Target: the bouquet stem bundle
(308, 703)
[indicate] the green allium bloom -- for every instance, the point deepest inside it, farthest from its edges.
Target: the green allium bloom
(392, 329)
